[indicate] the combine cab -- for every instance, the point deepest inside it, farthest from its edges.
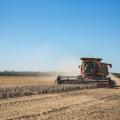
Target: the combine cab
(92, 71)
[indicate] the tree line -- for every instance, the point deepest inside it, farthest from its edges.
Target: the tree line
(116, 74)
(34, 73)
(26, 73)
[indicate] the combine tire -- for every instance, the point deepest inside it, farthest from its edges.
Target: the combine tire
(112, 84)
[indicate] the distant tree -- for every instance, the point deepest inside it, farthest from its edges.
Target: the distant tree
(26, 73)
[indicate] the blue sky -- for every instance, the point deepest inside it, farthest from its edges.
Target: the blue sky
(39, 34)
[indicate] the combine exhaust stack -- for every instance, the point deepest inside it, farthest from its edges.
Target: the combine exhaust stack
(92, 71)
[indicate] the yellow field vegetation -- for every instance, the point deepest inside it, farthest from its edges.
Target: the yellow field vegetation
(10, 81)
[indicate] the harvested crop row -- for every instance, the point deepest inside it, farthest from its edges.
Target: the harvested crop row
(34, 90)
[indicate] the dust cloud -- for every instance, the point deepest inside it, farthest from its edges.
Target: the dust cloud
(117, 80)
(69, 66)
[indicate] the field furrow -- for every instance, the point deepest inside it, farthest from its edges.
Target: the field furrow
(91, 104)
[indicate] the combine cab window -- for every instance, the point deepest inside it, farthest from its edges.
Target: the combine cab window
(89, 67)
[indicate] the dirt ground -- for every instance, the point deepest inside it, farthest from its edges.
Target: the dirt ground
(94, 104)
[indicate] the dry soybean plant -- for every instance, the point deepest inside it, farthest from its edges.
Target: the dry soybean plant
(34, 90)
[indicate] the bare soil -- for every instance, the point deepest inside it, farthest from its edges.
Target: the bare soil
(94, 104)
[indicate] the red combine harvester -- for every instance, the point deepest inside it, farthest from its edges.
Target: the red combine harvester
(92, 71)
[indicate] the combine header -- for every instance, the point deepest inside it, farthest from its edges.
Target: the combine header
(92, 71)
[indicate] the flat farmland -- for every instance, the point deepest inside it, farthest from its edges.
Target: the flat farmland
(11, 81)
(84, 104)
(93, 104)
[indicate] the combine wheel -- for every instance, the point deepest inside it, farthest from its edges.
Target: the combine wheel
(112, 84)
